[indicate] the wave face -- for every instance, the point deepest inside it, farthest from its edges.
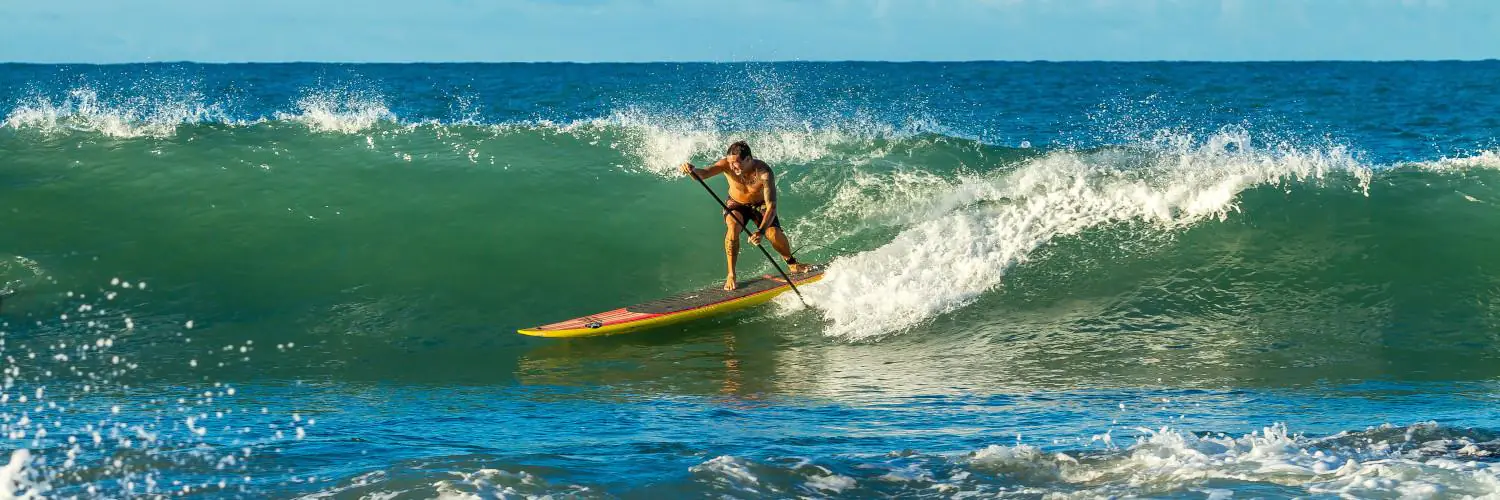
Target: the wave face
(213, 257)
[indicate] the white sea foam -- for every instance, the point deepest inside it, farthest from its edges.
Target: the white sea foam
(945, 259)
(144, 115)
(1380, 462)
(661, 143)
(1370, 466)
(736, 476)
(339, 110)
(729, 472)
(148, 114)
(18, 273)
(17, 479)
(1484, 159)
(1167, 461)
(496, 483)
(832, 483)
(355, 485)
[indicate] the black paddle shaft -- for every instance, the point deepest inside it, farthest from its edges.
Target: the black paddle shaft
(741, 223)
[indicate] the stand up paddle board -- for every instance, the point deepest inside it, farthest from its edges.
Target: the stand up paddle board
(710, 301)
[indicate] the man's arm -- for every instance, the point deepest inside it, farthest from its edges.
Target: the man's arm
(704, 173)
(770, 178)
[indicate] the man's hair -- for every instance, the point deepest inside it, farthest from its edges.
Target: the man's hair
(739, 150)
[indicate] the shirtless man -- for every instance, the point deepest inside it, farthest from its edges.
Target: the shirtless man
(752, 196)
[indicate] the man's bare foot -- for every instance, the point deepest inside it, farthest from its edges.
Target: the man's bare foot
(729, 283)
(797, 268)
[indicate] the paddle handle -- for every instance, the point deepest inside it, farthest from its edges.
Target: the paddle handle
(741, 223)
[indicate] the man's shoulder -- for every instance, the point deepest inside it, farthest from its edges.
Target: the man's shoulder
(762, 165)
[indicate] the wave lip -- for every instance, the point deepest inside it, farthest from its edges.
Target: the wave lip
(146, 116)
(945, 262)
(1484, 159)
(341, 111)
(662, 142)
(83, 110)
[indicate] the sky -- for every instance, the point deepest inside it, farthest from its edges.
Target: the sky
(113, 31)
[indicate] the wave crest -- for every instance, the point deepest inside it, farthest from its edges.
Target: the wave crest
(83, 110)
(660, 143)
(340, 110)
(942, 263)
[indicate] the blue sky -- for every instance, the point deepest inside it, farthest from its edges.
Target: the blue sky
(718, 30)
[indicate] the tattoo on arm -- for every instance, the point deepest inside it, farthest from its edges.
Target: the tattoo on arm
(770, 179)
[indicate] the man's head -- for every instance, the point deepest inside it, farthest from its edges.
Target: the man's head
(738, 155)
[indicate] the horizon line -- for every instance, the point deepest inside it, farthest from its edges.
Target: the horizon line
(757, 61)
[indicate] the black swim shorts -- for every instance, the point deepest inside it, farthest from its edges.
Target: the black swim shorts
(752, 213)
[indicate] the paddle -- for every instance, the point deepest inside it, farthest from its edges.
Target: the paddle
(741, 223)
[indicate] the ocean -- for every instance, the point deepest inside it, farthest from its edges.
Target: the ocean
(1046, 280)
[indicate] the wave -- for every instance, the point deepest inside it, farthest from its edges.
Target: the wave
(917, 219)
(652, 143)
(948, 259)
(660, 141)
(954, 238)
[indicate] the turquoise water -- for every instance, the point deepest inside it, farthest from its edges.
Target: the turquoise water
(1090, 279)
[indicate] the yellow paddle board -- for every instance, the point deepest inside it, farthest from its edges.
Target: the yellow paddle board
(711, 301)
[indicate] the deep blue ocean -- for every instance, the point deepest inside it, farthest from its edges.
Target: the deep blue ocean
(1046, 280)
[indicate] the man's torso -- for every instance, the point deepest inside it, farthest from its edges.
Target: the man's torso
(750, 186)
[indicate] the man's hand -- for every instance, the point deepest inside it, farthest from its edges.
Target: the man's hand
(686, 168)
(755, 238)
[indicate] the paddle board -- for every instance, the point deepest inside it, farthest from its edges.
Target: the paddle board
(710, 301)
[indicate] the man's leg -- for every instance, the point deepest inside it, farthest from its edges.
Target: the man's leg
(731, 246)
(784, 247)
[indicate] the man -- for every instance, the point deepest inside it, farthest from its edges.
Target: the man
(752, 197)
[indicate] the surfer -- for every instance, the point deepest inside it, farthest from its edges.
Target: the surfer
(752, 196)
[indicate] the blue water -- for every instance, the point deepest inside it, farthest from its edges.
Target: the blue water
(1045, 279)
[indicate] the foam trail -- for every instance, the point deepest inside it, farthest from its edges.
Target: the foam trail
(939, 265)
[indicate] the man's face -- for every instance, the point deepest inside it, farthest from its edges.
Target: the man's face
(735, 163)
